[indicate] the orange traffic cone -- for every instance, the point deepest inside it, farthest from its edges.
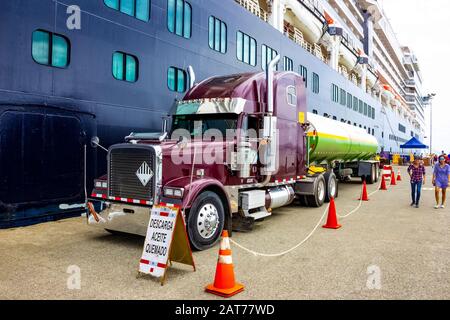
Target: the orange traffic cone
(332, 222)
(224, 284)
(383, 184)
(399, 177)
(393, 182)
(364, 197)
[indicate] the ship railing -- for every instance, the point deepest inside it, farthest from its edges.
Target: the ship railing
(354, 79)
(253, 7)
(294, 33)
(315, 7)
(343, 70)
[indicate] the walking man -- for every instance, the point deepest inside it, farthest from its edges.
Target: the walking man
(417, 173)
(441, 177)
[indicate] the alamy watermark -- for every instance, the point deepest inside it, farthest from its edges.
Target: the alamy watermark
(374, 278)
(74, 279)
(73, 22)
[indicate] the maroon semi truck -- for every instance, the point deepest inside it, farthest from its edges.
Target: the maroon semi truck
(253, 176)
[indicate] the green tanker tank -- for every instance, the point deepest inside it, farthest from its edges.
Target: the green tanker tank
(331, 140)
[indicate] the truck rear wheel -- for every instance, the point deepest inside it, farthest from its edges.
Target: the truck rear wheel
(318, 198)
(205, 221)
(372, 178)
(332, 186)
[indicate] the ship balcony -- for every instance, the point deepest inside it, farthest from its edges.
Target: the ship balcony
(410, 83)
(254, 7)
(296, 35)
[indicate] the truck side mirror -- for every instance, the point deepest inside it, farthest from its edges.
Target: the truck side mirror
(95, 142)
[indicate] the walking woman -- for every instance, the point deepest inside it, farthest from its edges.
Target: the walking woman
(441, 177)
(417, 173)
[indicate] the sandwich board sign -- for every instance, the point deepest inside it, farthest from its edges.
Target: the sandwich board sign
(166, 242)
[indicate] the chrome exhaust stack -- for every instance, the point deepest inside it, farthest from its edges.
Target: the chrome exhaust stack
(270, 125)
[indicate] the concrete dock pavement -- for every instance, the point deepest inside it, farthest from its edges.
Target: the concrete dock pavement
(385, 250)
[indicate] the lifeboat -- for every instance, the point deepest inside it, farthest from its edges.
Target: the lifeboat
(387, 92)
(310, 25)
(347, 58)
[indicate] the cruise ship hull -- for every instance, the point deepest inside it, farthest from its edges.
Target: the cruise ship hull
(49, 115)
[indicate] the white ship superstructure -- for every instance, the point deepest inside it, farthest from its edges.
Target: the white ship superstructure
(354, 38)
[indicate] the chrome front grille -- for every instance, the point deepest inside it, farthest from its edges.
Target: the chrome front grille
(131, 172)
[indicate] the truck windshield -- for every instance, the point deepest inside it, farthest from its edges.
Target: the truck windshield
(193, 123)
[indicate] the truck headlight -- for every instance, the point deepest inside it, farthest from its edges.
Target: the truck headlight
(173, 192)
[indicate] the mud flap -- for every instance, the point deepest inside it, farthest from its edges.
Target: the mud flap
(242, 224)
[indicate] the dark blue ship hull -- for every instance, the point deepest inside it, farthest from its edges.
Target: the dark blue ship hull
(48, 115)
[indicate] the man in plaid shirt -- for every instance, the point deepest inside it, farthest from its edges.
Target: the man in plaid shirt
(417, 173)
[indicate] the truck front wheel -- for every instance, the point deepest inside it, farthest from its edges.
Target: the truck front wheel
(205, 221)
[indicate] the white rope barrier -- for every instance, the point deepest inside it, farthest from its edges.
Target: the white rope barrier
(273, 255)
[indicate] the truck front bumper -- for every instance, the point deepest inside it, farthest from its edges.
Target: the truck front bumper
(121, 217)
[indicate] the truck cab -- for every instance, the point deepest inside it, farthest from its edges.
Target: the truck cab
(229, 154)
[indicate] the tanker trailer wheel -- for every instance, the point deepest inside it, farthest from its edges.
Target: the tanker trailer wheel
(332, 189)
(318, 198)
(373, 175)
(205, 221)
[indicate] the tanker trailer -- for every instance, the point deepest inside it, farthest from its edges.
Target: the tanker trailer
(336, 152)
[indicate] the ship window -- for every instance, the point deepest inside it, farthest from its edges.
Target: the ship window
(288, 64)
(177, 79)
(361, 106)
(140, 9)
(315, 111)
(343, 97)
(335, 93)
(267, 55)
(316, 83)
(179, 18)
(217, 35)
(125, 67)
(303, 71)
(291, 96)
(401, 128)
(355, 104)
(349, 100)
(373, 131)
(334, 118)
(365, 109)
(50, 49)
(246, 48)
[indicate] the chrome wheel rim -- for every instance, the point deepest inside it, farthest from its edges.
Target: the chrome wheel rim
(207, 221)
(332, 187)
(321, 190)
